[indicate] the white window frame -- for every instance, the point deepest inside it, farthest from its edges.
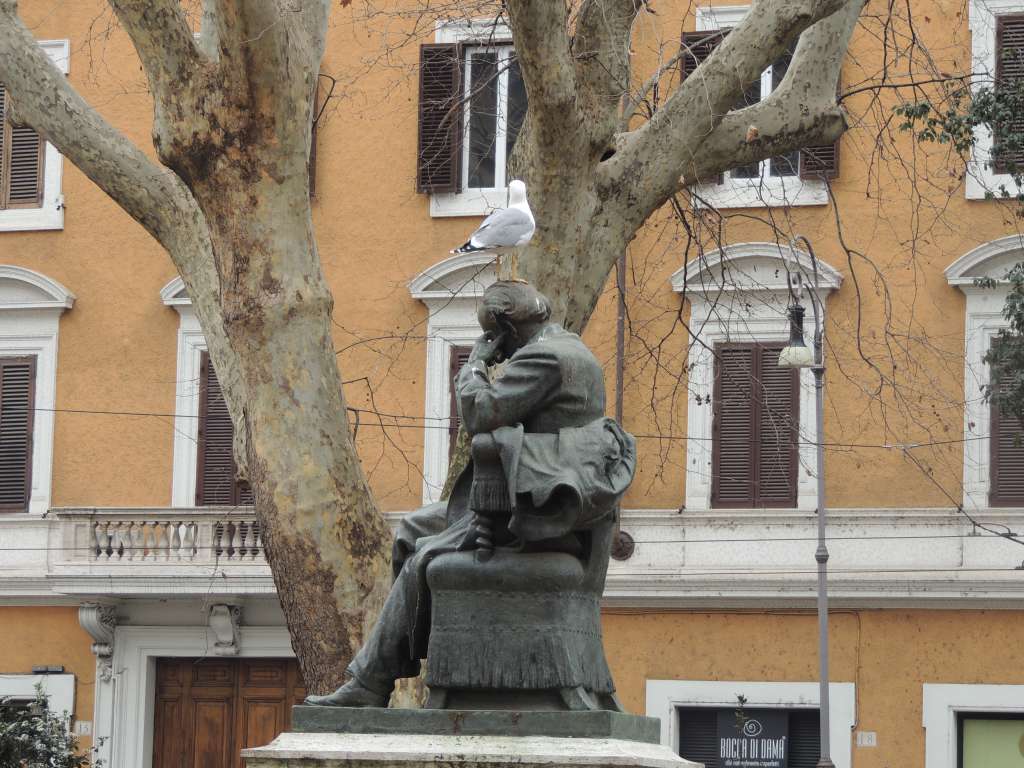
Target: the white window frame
(766, 190)
(59, 691)
(30, 308)
(191, 346)
(983, 320)
(451, 289)
(665, 697)
(940, 704)
(476, 202)
(51, 214)
(747, 305)
(982, 179)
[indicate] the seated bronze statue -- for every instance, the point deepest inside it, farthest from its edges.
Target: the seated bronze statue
(499, 586)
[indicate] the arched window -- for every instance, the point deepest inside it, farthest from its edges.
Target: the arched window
(750, 424)
(204, 472)
(30, 308)
(993, 456)
(451, 289)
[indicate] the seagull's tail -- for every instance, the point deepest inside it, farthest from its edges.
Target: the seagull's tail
(466, 247)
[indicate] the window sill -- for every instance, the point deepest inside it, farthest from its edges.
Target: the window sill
(759, 193)
(29, 219)
(982, 184)
(472, 202)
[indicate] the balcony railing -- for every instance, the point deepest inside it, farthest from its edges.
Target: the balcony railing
(186, 536)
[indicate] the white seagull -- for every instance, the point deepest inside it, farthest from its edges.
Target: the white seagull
(504, 230)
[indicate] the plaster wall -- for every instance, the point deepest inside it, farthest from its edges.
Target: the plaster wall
(117, 347)
(888, 655)
(32, 636)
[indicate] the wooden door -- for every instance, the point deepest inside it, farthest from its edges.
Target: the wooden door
(208, 710)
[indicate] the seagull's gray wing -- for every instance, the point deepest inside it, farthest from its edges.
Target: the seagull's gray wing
(502, 229)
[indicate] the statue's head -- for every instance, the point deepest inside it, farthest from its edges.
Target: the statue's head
(514, 309)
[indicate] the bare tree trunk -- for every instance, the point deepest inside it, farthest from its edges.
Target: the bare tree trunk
(232, 120)
(593, 182)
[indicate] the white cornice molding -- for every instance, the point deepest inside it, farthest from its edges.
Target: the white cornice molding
(174, 294)
(703, 275)
(429, 284)
(479, 31)
(720, 16)
(979, 261)
(54, 295)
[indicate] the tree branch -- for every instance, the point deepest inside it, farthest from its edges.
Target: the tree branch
(631, 101)
(801, 112)
(209, 35)
(539, 28)
(601, 50)
(651, 159)
(151, 195)
(160, 33)
(271, 46)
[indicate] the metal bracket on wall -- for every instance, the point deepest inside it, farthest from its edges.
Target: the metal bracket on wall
(99, 621)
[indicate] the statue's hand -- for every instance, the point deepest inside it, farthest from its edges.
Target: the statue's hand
(487, 348)
(479, 536)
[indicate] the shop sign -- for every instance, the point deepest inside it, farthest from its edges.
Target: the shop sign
(753, 739)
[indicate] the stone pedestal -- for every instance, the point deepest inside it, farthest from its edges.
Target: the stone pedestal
(425, 738)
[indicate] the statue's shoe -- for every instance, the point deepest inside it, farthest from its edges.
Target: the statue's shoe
(351, 694)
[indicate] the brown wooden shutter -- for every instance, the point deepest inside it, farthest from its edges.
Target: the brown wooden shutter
(438, 166)
(820, 162)
(459, 357)
(217, 480)
(1009, 75)
(754, 441)
(21, 162)
(17, 412)
(777, 393)
(1006, 459)
(733, 427)
(700, 45)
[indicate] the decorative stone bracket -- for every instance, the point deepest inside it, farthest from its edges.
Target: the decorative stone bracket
(99, 621)
(223, 621)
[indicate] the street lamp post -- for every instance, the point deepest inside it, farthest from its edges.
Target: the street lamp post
(797, 355)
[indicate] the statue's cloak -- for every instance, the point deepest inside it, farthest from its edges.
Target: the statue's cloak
(563, 465)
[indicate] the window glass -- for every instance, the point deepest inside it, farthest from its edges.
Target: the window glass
(988, 741)
(516, 108)
(784, 165)
(483, 118)
(495, 103)
(789, 164)
(750, 97)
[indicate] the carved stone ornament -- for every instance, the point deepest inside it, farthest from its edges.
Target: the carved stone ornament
(99, 621)
(224, 620)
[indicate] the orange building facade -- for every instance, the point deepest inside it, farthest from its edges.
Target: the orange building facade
(132, 580)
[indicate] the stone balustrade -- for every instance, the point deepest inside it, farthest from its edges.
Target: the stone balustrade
(200, 536)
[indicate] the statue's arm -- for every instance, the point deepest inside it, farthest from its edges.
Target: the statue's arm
(527, 382)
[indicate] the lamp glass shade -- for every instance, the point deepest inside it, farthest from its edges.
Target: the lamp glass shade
(796, 357)
(796, 354)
